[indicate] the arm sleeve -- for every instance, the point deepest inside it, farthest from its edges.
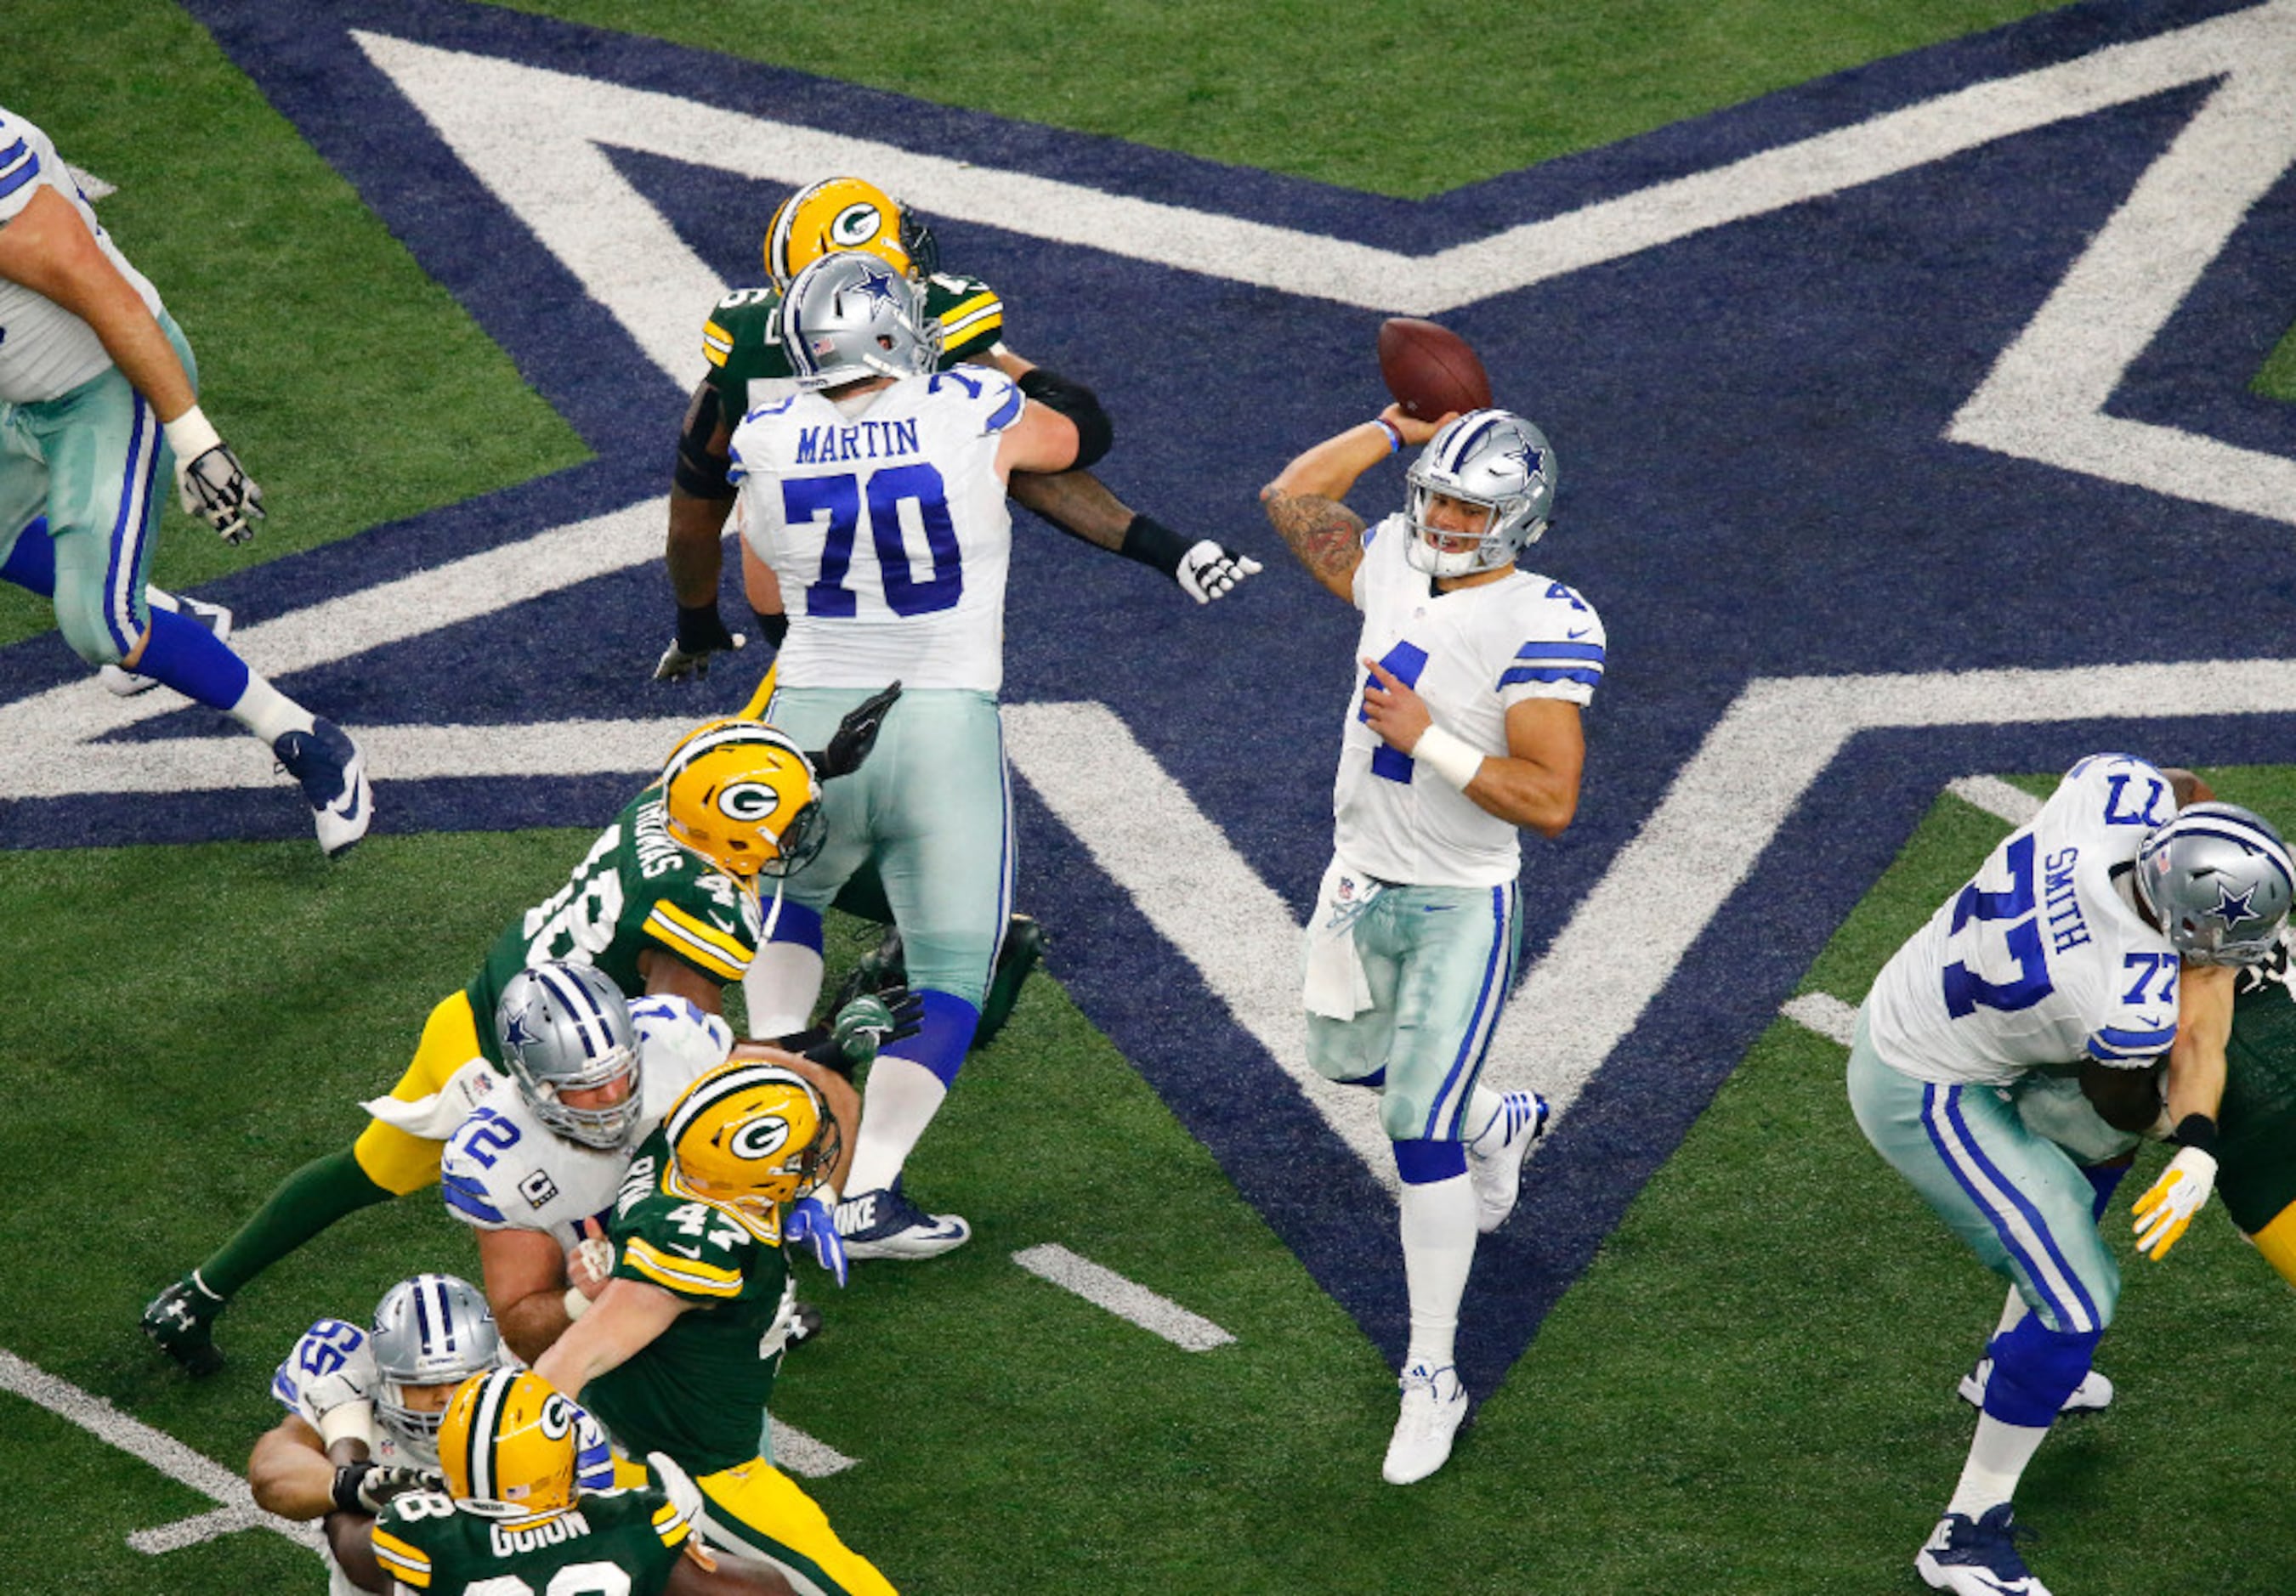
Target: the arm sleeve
(1561, 656)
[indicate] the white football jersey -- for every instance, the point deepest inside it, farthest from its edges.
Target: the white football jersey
(2042, 958)
(504, 1169)
(888, 528)
(45, 351)
(1472, 654)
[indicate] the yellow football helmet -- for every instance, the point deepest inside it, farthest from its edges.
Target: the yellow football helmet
(845, 213)
(749, 1137)
(744, 797)
(508, 1437)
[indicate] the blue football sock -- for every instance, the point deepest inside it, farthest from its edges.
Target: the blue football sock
(185, 656)
(31, 564)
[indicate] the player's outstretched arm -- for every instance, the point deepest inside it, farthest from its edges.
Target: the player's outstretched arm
(2195, 1092)
(1303, 503)
(1082, 506)
(525, 1277)
(47, 247)
(625, 1319)
(701, 498)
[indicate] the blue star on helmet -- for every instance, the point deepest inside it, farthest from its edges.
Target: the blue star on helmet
(516, 1034)
(2233, 910)
(877, 283)
(1533, 458)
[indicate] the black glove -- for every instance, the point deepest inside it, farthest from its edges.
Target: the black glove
(855, 736)
(700, 633)
(363, 1487)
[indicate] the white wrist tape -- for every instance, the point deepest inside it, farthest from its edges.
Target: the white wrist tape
(191, 434)
(577, 1305)
(1449, 757)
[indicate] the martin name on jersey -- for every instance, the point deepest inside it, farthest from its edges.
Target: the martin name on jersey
(2043, 959)
(885, 518)
(504, 1169)
(1473, 653)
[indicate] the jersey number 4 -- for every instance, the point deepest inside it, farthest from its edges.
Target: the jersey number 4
(841, 499)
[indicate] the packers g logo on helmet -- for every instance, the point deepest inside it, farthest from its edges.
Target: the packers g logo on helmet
(749, 1137)
(845, 213)
(744, 797)
(509, 1438)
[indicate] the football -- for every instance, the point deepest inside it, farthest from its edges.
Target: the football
(1430, 369)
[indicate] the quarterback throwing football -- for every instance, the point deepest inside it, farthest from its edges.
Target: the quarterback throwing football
(1464, 727)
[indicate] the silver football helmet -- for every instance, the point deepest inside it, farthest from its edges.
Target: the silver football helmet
(565, 1027)
(2218, 881)
(433, 1329)
(1488, 457)
(848, 318)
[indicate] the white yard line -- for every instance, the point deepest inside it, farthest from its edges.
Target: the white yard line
(164, 1452)
(1825, 1013)
(1106, 1288)
(1996, 798)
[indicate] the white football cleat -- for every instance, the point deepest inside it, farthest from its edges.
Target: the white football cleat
(2093, 1395)
(1497, 1174)
(1434, 1403)
(885, 1224)
(1977, 1557)
(333, 772)
(127, 683)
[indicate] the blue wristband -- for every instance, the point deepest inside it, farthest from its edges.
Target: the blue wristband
(1394, 434)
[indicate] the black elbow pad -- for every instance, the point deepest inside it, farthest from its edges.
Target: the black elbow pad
(1076, 402)
(700, 472)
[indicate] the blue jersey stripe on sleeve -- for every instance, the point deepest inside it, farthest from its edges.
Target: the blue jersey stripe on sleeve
(1560, 651)
(19, 165)
(466, 1199)
(1530, 673)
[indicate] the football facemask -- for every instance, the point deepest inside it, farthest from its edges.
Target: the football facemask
(509, 1438)
(433, 1329)
(750, 1137)
(566, 1028)
(2218, 881)
(1493, 459)
(845, 213)
(744, 797)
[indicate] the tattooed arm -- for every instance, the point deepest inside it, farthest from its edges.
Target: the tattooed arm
(1303, 503)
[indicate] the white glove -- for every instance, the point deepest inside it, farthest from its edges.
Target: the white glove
(209, 479)
(675, 1483)
(1210, 570)
(2182, 1191)
(589, 1264)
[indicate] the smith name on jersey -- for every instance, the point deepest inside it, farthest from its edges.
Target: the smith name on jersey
(504, 1169)
(47, 351)
(636, 891)
(698, 1391)
(742, 339)
(618, 1542)
(886, 522)
(1473, 653)
(2043, 959)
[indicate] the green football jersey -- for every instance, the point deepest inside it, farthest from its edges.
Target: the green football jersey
(2256, 1144)
(636, 891)
(618, 1541)
(699, 1390)
(742, 339)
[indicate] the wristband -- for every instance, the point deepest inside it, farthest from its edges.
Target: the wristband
(350, 1422)
(1152, 543)
(191, 434)
(1449, 757)
(347, 1480)
(2197, 1132)
(1394, 433)
(577, 1305)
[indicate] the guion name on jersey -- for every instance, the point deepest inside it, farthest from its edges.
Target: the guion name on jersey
(568, 1526)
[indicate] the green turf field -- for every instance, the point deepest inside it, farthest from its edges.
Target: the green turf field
(1751, 1390)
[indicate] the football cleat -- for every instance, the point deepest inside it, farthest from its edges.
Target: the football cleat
(805, 1322)
(1497, 1174)
(127, 683)
(1020, 953)
(1434, 1403)
(333, 776)
(181, 1321)
(2093, 1395)
(1977, 1557)
(885, 1224)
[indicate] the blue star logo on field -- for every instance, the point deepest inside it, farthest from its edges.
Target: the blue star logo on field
(2232, 909)
(1871, 531)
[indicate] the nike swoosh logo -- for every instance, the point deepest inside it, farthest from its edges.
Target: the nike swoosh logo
(1581, 632)
(1437, 908)
(693, 1252)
